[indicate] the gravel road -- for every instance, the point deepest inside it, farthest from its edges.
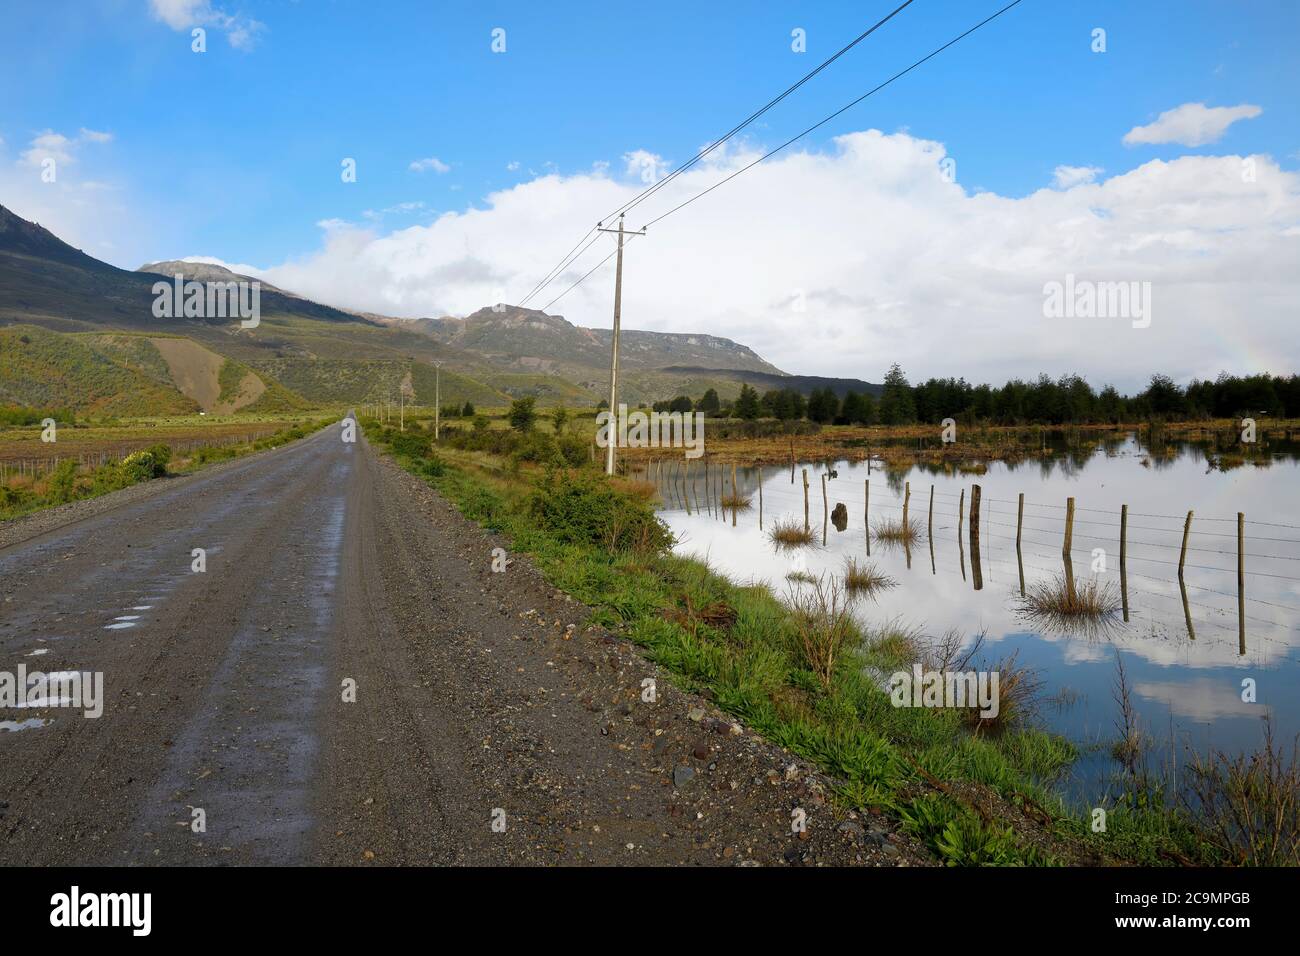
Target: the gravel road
(349, 683)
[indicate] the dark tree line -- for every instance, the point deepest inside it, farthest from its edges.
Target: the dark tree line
(1046, 401)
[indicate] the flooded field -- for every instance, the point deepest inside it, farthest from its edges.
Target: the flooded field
(1187, 666)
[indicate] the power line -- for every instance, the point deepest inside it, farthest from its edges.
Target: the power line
(832, 116)
(651, 190)
(823, 122)
(647, 193)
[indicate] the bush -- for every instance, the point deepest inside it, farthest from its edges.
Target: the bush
(523, 413)
(410, 444)
(162, 454)
(434, 467)
(583, 508)
(142, 466)
(63, 482)
(538, 447)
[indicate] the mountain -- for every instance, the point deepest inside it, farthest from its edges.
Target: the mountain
(533, 340)
(206, 272)
(305, 352)
(302, 352)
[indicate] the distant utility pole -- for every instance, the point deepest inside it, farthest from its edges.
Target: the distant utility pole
(437, 398)
(613, 362)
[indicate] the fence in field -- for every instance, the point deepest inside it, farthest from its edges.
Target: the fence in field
(702, 486)
(35, 467)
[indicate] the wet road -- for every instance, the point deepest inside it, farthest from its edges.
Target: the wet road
(346, 681)
(213, 678)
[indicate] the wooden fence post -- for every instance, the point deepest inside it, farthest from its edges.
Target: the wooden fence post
(1123, 558)
(805, 498)
(929, 519)
(1241, 582)
(1182, 554)
(735, 495)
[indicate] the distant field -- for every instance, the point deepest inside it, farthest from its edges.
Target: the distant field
(93, 442)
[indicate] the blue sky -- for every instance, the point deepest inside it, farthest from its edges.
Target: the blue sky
(264, 130)
(235, 153)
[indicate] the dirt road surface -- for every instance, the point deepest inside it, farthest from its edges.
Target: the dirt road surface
(490, 725)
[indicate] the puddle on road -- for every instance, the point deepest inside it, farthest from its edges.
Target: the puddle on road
(118, 627)
(37, 652)
(29, 724)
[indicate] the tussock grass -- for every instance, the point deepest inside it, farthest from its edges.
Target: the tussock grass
(1089, 599)
(864, 579)
(801, 577)
(790, 534)
(894, 531)
(737, 502)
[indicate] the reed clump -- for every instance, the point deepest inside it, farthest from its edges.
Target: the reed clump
(865, 578)
(896, 531)
(1062, 598)
(790, 534)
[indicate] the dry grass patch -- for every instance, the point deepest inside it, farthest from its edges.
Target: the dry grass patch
(1062, 598)
(895, 531)
(790, 534)
(864, 579)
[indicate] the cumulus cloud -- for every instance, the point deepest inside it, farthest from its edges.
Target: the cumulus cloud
(1192, 124)
(645, 166)
(432, 162)
(62, 149)
(241, 31)
(1066, 177)
(841, 261)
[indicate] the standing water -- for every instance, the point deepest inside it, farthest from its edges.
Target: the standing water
(1188, 676)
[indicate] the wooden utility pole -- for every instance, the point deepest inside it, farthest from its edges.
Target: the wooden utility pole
(437, 398)
(613, 360)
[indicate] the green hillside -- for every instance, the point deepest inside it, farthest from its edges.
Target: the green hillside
(44, 368)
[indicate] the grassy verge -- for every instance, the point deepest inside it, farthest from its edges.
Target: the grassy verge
(806, 676)
(70, 482)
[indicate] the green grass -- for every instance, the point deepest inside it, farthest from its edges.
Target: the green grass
(742, 644)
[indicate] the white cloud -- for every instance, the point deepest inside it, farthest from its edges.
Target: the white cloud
(645, 166)
(50, 145)
(1067, 177)
(512, 166)
(62, 149)
(433, 162)
(888, 260)
(1192, 124)
(241, 31)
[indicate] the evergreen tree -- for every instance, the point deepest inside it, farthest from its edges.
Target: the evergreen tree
(897, 406)
(747, 406)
